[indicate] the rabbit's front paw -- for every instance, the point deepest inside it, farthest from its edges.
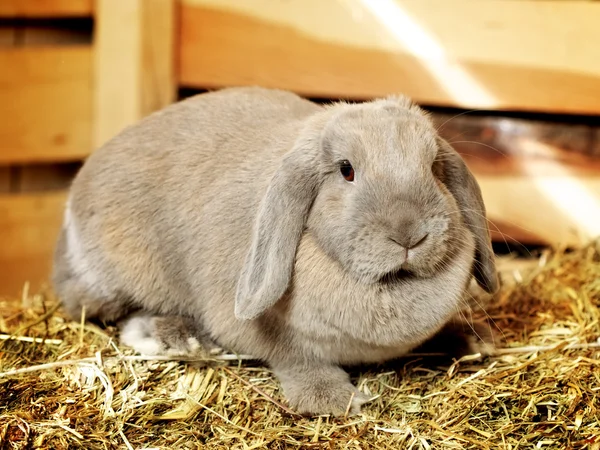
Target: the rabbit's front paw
(320, 390)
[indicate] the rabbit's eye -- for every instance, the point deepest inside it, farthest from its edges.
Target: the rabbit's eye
(347, 170)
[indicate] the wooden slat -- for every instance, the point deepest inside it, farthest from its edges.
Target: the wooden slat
(134, 62)
(30, 225)
(558, 210)
(535, 55)
(46, 8)
(45, 112)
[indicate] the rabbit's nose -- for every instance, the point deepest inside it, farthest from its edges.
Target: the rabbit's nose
(409, 241)
(407, 228)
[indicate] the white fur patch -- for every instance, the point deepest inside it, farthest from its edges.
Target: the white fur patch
(136, 332)
(76, 255)
(193, 344)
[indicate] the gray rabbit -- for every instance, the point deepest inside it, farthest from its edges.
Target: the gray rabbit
(308, 236)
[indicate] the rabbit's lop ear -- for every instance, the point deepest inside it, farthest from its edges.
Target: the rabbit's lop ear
(463, 186)
(279, 226)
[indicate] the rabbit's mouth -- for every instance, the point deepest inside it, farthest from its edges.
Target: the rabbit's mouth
(395, 276)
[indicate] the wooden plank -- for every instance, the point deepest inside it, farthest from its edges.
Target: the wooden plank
(560, 209)
(30, 225)
(539, 194)
(134, 62)
(45, 113)
(530, 55)
(46, 8)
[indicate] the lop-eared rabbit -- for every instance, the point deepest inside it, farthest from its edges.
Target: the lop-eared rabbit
(308, 236)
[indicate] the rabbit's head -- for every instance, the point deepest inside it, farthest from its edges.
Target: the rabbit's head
(381, 193)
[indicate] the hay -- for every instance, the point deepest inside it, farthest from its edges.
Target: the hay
(68, 385)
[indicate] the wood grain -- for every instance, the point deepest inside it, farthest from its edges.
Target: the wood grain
(46, 8)
(134, 62)
(45, 112)
(530, 55)
(30, 225)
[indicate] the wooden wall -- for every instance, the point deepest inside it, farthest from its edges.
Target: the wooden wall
(45, 128)
(70, 79)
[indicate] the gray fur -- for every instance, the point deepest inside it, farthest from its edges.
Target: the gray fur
(229, 209)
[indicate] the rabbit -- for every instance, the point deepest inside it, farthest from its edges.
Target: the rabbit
(310, 236)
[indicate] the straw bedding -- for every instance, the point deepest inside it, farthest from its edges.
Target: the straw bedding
(70, 385)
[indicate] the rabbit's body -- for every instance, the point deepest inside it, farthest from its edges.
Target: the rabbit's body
(163, 222)
(163, 219)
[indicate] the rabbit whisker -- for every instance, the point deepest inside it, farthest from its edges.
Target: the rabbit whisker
(456, 116)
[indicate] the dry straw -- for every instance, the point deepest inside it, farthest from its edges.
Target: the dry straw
(68, 385)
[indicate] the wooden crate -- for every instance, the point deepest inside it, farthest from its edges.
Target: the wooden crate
(47, 103)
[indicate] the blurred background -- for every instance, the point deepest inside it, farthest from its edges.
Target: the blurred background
(514, 85)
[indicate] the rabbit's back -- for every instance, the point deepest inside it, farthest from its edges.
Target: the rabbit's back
(162, 214)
